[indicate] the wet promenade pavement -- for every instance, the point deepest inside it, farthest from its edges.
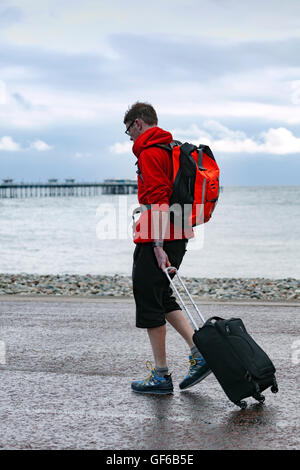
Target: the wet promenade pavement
(66, 365)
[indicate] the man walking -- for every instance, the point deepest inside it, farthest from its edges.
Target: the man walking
(159, 244)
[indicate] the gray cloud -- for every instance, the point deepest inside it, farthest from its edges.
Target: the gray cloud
(26, 105)
(58, 69)
(159, 59)
(185, 63)
(10, 15)
(187, 58)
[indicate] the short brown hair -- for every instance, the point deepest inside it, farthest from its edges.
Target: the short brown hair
(144, 111)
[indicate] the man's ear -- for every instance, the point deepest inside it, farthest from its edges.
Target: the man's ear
(139, 123)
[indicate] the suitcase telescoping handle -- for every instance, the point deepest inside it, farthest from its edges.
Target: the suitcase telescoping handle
(172, 268)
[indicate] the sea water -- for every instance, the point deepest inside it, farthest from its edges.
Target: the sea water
(254, 232)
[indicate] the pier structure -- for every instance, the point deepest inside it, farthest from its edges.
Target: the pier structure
(54, 188)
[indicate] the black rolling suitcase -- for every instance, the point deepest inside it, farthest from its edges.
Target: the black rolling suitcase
(241, 367)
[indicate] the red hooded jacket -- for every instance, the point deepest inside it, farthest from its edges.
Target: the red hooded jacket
(155, 182)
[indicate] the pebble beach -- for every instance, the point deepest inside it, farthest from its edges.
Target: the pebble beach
(121, 286)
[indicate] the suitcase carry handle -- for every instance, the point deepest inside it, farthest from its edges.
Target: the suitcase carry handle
(212, 319)
(166, 271)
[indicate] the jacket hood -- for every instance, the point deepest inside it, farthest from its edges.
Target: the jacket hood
(152, 136)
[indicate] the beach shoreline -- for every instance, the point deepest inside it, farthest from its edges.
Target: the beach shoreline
(119, 286)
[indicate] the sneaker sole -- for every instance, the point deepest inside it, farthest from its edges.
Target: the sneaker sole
(198, 380)
(156, 392)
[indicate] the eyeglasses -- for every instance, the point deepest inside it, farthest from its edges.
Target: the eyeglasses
(127, 130)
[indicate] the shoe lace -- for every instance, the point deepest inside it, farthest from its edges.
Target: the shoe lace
(149, 367)
(193, 362)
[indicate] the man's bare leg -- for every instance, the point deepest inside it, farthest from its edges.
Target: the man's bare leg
(182, 325)
(199, 369)
(159, 382)
(157, 338)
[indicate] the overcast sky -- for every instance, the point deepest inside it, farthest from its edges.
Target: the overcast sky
(222, 72)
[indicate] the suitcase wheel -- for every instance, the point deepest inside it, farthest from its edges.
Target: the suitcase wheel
(260, 398)
(242, 404)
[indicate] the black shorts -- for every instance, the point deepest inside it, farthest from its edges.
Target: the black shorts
(151, 290)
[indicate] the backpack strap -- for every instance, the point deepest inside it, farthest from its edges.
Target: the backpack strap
(169, 147)
(200, 160)
(207, 150)
(138, 171)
